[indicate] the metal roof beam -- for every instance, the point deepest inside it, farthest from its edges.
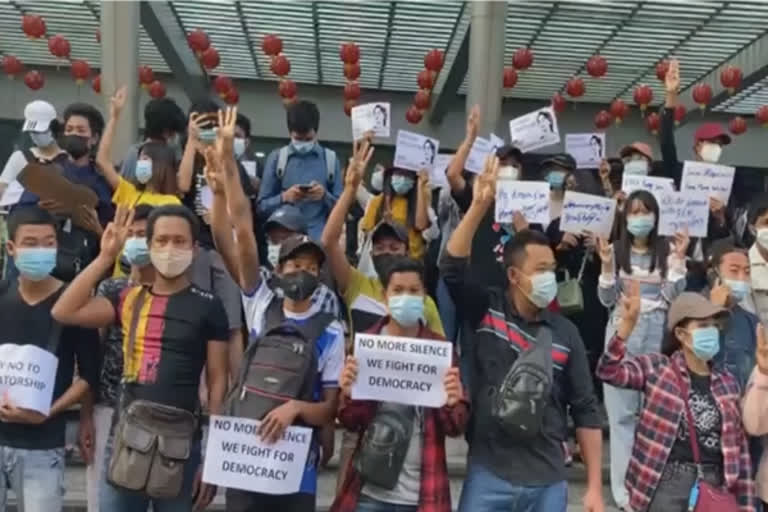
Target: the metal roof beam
(387, 39)
(449, 80)
(316, 29)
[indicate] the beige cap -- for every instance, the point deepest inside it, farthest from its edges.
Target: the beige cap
(692, 305)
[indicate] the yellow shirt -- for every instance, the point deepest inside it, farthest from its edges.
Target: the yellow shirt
(126, 194)
(399, 207)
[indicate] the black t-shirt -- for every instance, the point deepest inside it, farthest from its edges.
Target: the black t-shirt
(171, 341)
(708, 421)
(25, 324)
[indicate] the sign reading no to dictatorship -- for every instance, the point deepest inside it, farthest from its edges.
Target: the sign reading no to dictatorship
(27, 376)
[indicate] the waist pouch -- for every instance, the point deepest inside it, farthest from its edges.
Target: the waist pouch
(385, 445)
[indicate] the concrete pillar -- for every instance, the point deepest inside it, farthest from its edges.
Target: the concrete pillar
(119, 66)
(486, 62)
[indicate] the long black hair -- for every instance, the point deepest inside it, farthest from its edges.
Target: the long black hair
(388, 193)
(658, 246)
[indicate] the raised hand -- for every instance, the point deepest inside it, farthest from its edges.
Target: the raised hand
(761, 354)
(225, 135)
(519, 222)
(473, 123)
(484, 190)
(196, 123)
(114, 236)
(424, 189)
(605, 169)
(361, 154)
(117, 102)
(453, 390)
(682, 240)
(348, 375)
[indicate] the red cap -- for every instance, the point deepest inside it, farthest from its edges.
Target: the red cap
(637, 147)
(712, 131)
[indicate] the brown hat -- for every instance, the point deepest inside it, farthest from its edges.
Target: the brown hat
(296, 243)
(637, 147)
(692, 305)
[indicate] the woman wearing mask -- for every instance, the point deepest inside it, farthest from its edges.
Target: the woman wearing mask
(554, 170)
(641, 256)
(690, 430)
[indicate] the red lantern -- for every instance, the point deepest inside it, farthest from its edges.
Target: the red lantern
(643, 96)
(738, 125)
(349, 53)
(559, 102)
(281, 66)
(352, 71)
(80, 71)
(421, 100)
(619, 110)
(652, 123)
(575, 87)
(222, 85)
(146, 76)
(198, 41)
(34, 80)
(352, 91)
(597, 66)
(232, 97)
(426, 80)
(761, 116)
(157, 89)
(96, 84)
(287, 89)
(433, 60)
(210, 58)
(730, 77)
(33, 26)
(12, 66)
(348, 105)
(272, 45)
(661, 70)
(603, 120)
(522, 59)
(510, 77)
(59, 46)
(413, 115)
(702, 94)
(680, 112)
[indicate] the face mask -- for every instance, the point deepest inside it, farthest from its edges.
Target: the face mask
(762, 237)
(136, 251)
(543, 289)
(171, 263)
(641, 225)
(143, 171)
(207, 136)
(509, 172)
(636, 167)
(556, 179)
(75, 145)
(706, 342)
(35, 263)
(406, 310)
(739, 289)
(299, 285)
(238, 146)
(41, 139)
(273, 254)
(302, 146)
(710, 152)
(402, 184)
(381, 262)
(377, 181)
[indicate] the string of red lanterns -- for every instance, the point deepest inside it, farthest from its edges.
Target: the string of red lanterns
(272, 46)
(619, 110)
(349, 53)
(761, 115)
(433, 63)
(603, 120)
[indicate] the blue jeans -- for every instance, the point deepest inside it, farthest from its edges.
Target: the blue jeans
(484, 491)
(366, 504)
(35, 476)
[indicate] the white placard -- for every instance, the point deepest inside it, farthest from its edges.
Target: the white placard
(12, 194)
(588, 149)
(531, 198)
(678, 210)
(653, 184)
(415, 152)
(404, 370)
(711, 180)
(586, 212)
(371, 117)
(250, 167)
(237, 458)
(27, 376)
(477, 154)
(496, 142)
(438, 175)
(534, 130)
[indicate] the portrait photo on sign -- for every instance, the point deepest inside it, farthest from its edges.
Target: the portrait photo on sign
(588, 149)
(371, 117)
(415, 152)
(534, 130)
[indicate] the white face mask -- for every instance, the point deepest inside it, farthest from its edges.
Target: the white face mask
(171, 262)
(238, 146)
(509, 172)
(273, 254)
(762, 237)
(710, 152)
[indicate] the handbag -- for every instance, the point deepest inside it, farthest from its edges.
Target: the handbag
(569, 294)
(704, 496)
(384, 445)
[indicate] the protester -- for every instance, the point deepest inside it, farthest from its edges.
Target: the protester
(171, 329)
(755, 410)
(663, 469)
(303, 173)
(422, 483)
(512, 468)
(31, 442)
(758, 255)
(554, 170)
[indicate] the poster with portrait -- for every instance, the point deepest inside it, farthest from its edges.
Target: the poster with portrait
(534, 130)
(415, 152)
(371, 117)
(588, 149)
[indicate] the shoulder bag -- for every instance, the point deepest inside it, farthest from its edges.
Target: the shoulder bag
(569, 294)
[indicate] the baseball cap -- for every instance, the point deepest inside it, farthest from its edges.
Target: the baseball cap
(391, 228)
(38, 115)
(637, 147)
(561, 160)
(692, 305)
(288, 217)
(712, 131)
(297, 243)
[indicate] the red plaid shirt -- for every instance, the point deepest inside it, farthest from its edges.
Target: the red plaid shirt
(660, 418)
(434, 492)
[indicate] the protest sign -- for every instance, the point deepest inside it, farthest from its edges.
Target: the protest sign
(586, 212)
(237, 458)
(403, 370)
(415, 152)
(680, 210)
(588, 149)
(371, 117)
(654, 185)
(710, 180)
(534, 130)
(477, 155)
(27, 376)
(496, 142)
(437, 176)
(530, 198)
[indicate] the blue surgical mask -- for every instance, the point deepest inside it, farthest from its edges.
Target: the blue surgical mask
(136, 251)
(143, 171)
(706, 342)
(35, 263)
(556, 179)
(401, 184)
(238, 146)
(739, 289)
(42, 139)
(636, 167)
(543, 289)
(207, 136)
(406, 310)
(377, 180)
(641, 225)
(302, 146)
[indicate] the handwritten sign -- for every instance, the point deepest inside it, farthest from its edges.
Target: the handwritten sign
(415, 152)
(712, 180)
(652, 184)
(586, 212)
(477, 154)
(371, 117)
(437, 176)
(678, 210)
(530, 198)
(27, 376)
(236, 457)
(403, 370)
(534, 130)
(588, 149)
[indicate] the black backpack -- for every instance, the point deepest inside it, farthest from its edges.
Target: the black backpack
(77, 248)
(279, 366)
(385, 445)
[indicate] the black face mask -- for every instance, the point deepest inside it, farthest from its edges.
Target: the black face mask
(299, 285)
(381, 262)
(75, 145)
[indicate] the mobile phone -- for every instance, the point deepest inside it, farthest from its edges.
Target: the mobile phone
(305, 188)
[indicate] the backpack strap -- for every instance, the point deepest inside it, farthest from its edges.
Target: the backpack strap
(28, 155)
(330, 166)
(282, 161)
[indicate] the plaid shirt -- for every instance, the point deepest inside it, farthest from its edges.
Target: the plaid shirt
(660, 418)
(434, 492)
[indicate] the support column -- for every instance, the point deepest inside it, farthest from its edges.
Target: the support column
(119, 66)
(486, 62)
